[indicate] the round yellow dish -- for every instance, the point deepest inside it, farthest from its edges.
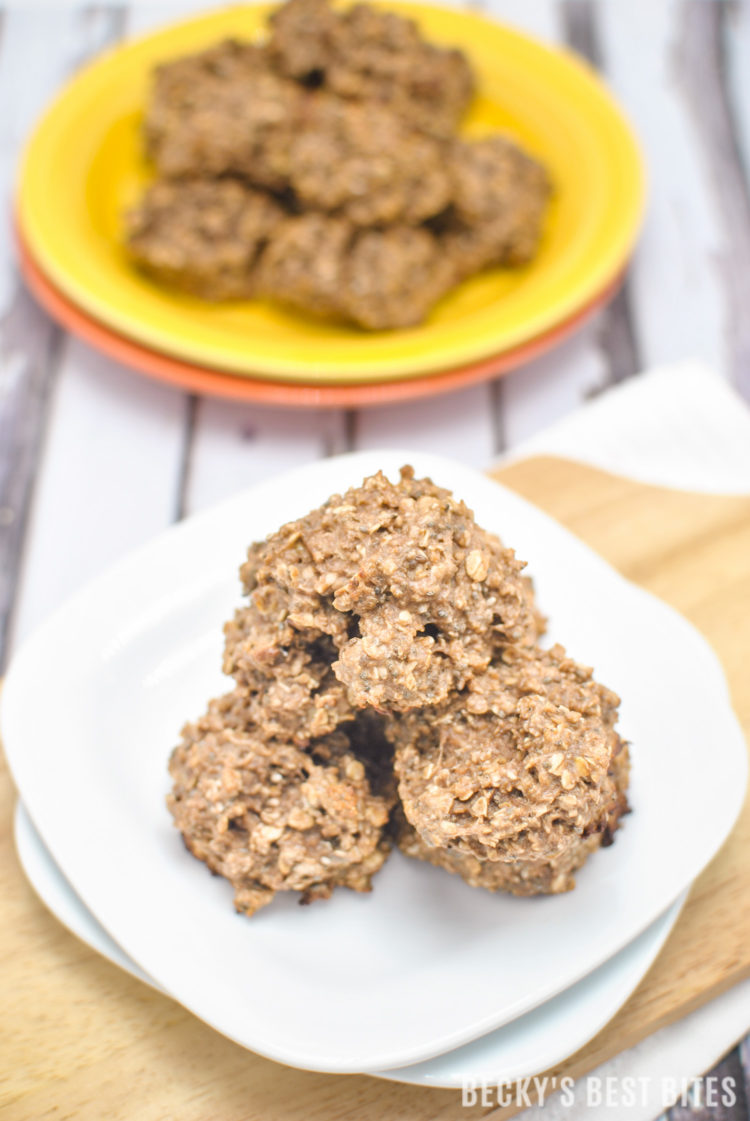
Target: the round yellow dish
(84, 166)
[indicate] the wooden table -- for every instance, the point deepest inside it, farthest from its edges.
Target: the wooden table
(94, 460)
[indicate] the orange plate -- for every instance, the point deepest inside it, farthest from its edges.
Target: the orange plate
(202, 380)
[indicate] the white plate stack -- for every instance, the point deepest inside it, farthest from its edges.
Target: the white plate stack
(426, 980)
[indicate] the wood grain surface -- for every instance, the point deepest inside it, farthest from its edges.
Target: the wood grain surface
(80, 1039)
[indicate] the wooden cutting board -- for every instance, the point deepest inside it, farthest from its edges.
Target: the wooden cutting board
(80, 1039)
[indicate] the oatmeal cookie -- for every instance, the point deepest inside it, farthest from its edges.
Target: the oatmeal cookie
(520, 766)
(366, 54)
(286, 674)
(269, 816)
(360, 161)
(304, 264)
(202, 236)
(519, 878)
(375, 278)
(223, 111)
(394, 277)
(499, 199)
(415, 597)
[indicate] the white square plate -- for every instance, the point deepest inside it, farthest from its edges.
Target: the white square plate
(94, 701)
(529, 1044)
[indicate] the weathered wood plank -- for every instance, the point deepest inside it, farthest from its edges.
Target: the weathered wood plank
(617, 336)
(701, 66)
(37, 52)
(676, 291)
(30, 345)
(186, 448)
(236, 445)
(535, 17)
(143, 17)
(28, 362)
(545, 390)
(458, 424)
(707, 1100)
(744, 1054)
(107, 477)
(541, 392)
(736, 70)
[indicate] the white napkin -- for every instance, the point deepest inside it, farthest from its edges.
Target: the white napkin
(682, 427)
(679, 426)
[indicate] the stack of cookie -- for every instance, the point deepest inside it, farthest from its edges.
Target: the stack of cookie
(389, 685)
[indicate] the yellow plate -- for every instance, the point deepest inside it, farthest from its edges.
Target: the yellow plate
(84, 166)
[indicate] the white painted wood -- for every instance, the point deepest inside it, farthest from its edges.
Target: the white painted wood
(107, 476)
(458, 424)
(31, 66)
(37, 52)
(535, 17)
(236, 445)
(716, 48)
(144, 16)
(543, 391)
(676, 288)
(107, 480)
(737, 74)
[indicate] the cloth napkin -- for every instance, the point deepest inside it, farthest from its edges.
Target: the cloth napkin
(684, 427)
